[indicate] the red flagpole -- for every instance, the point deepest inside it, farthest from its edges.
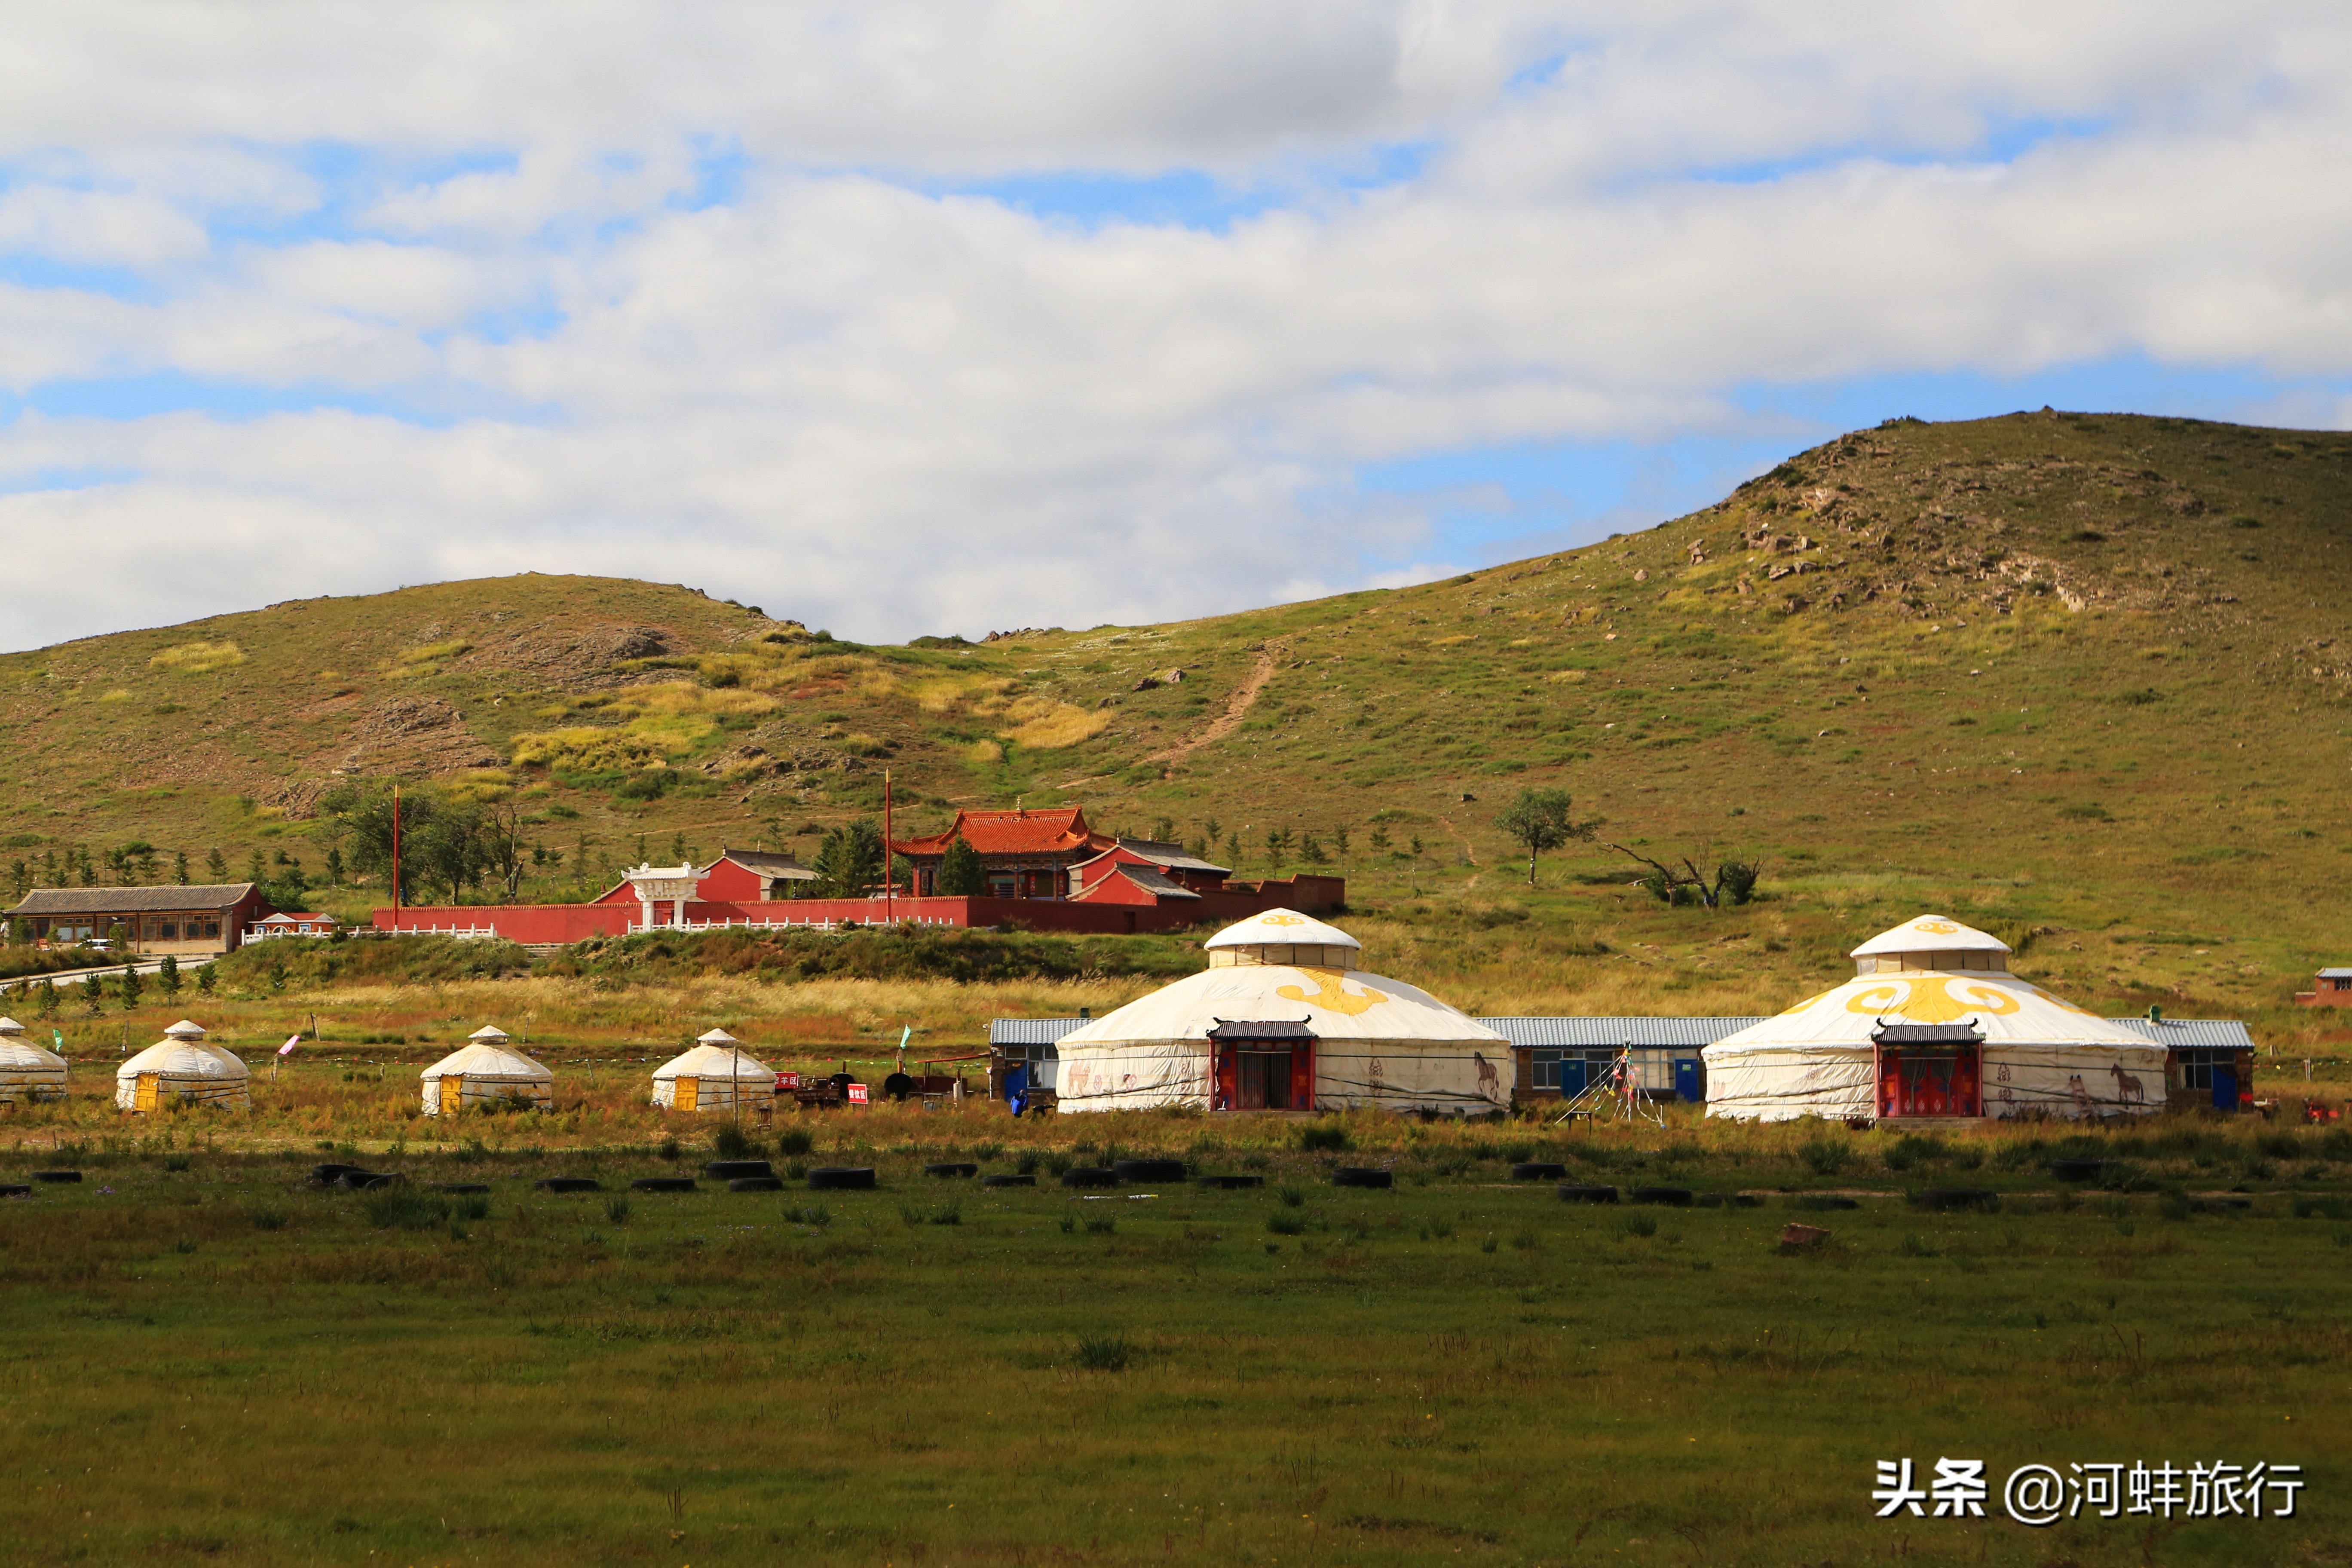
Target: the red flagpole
(396, 858)
(889, 876)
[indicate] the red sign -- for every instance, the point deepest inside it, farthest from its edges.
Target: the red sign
(788, 1081)
(857, 1094)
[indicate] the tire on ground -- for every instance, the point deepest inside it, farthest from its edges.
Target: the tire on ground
(1089, 1176)
(841, 1178)
(1149, 1170)
(756, 1184)
(1571, 1193)
(1538, 1171)
(663, 1185)
(1231, 1183)
(1362, 1176)
(1676, 1197)
(1008, 1181)
(728, 1170)
(570, 1184)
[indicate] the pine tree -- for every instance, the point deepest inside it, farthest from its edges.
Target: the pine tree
(961, 875)
(180, 867)
(204, 981)
(167, 977)
(216, 865)
(93, 997)
(131, 986)
(45, 999)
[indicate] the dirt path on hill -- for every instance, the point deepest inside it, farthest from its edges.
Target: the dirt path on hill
(1468, 852)
(1237, 706)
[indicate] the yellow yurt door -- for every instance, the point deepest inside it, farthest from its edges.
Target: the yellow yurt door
(687, 1093)
(143, 1096)
(452, 1094)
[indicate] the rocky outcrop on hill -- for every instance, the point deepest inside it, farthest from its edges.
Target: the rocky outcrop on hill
(414, 735)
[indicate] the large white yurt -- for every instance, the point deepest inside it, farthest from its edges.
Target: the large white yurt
(28, 1071)
(1933, 1026)
(183, 1065)
(715, 1074)
(484, 1072)
(1282, 1019)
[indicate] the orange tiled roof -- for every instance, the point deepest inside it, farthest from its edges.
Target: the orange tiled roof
(1008, 833)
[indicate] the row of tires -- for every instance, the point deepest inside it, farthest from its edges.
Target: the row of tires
(1940, 1198)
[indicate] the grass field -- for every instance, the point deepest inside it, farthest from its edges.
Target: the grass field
(209, 1360)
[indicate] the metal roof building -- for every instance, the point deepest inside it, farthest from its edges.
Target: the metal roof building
(1596, 1033)
(2218, 1034)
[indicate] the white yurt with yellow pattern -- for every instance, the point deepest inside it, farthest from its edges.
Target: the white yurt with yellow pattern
(1284, 1020)
(1933, 1026)
(485, 1072)
(28, 1071)
(183, 1065)
(715, 1075)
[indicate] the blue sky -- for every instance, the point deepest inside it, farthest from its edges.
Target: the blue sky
(907, 318)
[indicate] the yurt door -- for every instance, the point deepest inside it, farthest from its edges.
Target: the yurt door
(1265, 1081)
(686, 1092)
(143, 1096)
(452, 1094)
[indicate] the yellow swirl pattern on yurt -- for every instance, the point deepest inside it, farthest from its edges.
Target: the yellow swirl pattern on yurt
(1328, 994)
(1803, 1005)
(1935, 927)
(1930, 1000)
(1280, 921)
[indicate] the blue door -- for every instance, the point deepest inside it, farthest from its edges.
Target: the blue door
(2225, 1089)
(1686, 1080)
(1572, 1076)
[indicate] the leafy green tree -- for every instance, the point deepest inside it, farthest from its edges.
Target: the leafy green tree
(335, 865)
(849, 862)
(204, 981)
(1540, 819)
(961, 875)
(454, 849)
(364, 810)
(1310, 849)
(1380, 840)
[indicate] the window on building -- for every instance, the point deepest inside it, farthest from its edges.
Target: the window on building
(2198, 1062)
(1543, 1069)
(211, 928)
(1000, 884)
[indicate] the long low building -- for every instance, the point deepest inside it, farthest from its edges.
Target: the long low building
(745, 887)
(190, 920)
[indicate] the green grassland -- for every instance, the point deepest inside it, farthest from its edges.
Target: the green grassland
(2078, 676)
(209, 1360)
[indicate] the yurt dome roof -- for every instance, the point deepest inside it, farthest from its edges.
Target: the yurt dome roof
(490, 1032)
(1930, 933)
(185, 1029)
(10, 1027)
(1276, 928)
(183, 1057)
(2005, 1008)
(714, 1061)
(18, 1054)
(716, 1037)
(480, 1058)
(1353, 1006)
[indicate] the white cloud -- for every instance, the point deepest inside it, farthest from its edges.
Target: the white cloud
(835, 392)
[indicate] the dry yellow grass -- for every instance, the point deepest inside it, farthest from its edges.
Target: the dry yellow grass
(196, 658)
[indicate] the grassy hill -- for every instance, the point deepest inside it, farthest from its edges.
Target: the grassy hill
(2081, 678)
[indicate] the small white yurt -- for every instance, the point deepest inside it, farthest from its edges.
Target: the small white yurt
(1933, 1027)
(714, 1074)
(28, 1071)
(484, 1072)
(1282, 1019)
(182, 1066)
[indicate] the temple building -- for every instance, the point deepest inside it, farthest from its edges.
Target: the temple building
(1024, 854)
